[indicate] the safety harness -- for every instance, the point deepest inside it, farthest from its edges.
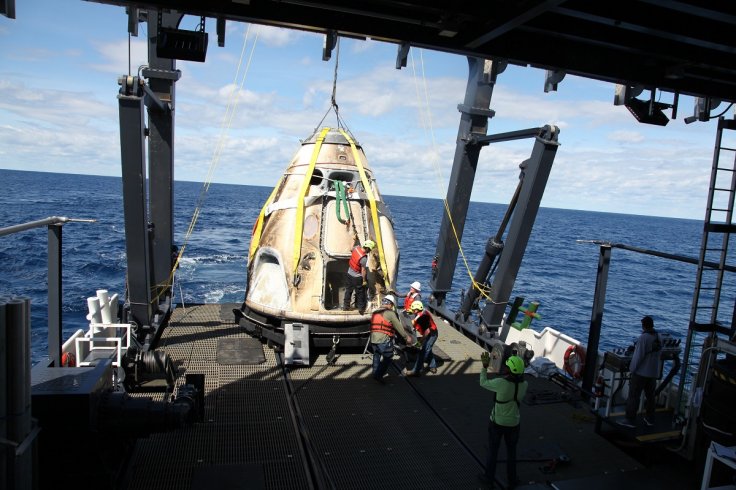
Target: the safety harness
(516, 380)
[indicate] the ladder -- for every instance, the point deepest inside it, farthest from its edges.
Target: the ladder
(717, 227)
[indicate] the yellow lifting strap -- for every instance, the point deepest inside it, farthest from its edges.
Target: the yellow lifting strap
(299, 224)
(372, 204)
(256, 238)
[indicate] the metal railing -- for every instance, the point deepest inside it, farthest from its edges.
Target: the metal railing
(54, 224)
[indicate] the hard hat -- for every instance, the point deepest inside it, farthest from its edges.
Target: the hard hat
(515, 364)
(417, 306)
(416, 285)
(369, 244)
(389, 299)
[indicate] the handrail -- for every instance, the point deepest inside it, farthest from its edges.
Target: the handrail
(50, 221)
(55, 224)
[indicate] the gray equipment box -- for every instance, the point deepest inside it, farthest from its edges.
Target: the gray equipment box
(296, 347)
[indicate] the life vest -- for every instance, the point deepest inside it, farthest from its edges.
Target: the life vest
(409, 299)
(355, 257)
(424, 322)
(380, 324)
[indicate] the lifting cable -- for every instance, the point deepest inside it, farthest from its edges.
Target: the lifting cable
(424, 103)
(224, 128)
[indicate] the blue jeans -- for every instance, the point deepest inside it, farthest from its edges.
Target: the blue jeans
(425, 354)
(511, 436)
(382, 355)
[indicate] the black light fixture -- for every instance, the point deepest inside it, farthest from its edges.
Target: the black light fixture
(645, 111)
(701, 111)
(180, 44)
(551, 79)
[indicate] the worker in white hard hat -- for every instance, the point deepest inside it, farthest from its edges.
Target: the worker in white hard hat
(357, 276)
(413, 295)
(384, 326)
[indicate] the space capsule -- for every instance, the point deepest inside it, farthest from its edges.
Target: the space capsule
(326, 203)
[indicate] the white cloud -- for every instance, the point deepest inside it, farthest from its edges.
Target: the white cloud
(55, 107)
(623, 136)
(115, 56)
(276, 36)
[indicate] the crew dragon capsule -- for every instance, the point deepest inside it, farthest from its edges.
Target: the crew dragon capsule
(326, 203)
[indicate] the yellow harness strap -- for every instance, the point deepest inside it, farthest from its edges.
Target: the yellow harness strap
(256, 239)
(372, 204)
(299, 224)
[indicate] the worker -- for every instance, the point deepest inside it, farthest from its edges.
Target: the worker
(413, 295)
(384, 325)
(426, 327)
(356, 278)
(644, 367)
(509, 387)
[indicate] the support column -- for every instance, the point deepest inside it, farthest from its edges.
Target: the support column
(536, 172)
(596, 317)
(162, 75)
(475, 112)
(54, 294)
(132, 139)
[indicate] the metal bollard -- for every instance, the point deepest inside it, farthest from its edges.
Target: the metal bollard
(16, 339)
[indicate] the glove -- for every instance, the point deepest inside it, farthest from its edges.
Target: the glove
(485, 359)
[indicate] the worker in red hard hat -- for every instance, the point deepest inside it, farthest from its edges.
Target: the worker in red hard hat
(384, 326)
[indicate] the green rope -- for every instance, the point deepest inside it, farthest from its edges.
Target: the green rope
(341, 197)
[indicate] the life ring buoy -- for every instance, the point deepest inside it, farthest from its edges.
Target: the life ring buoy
(68, 359)
(575, 361)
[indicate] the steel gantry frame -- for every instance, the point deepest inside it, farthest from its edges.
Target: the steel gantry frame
(149, 213)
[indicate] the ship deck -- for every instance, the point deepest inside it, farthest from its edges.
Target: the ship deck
(333, 426)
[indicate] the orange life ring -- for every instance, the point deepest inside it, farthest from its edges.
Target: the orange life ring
(575, 361)
(68, 359)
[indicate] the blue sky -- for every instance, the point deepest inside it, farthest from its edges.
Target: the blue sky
(58, 112)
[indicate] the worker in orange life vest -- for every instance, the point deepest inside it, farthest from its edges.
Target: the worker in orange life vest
(413, 295)
(356, 278)
(384, 326)
(427, 328)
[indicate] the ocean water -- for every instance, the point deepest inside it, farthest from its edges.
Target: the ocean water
(556, 271)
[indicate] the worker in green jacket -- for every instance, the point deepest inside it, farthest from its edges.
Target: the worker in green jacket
(509, 387)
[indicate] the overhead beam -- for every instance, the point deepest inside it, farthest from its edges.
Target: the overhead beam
(521, 16)
(628, 42)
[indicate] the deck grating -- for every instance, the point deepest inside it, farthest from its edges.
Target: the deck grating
(427, 432)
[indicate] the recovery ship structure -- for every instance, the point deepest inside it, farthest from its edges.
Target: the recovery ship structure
(231, 414)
